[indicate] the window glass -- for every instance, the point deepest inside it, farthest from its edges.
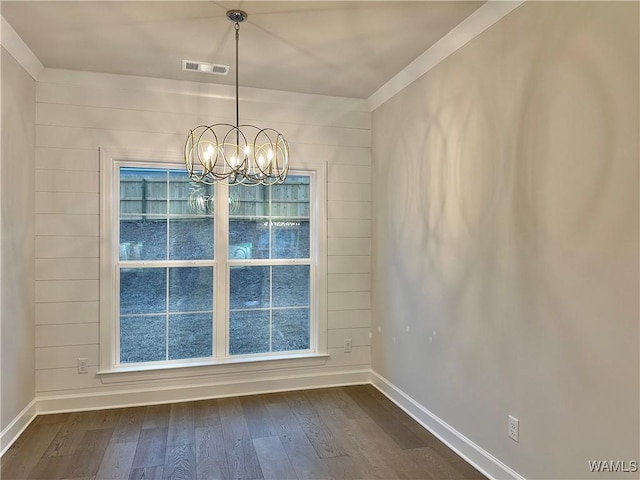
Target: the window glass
(290, 286)
(157, 323)
(142, 338)
(290, 238)
(191, 289)
(143, 290)
(249, 287)
(290, 329)
(190, 335)
(270, 222)
(143, 191)
(248, 332)
(188, 198)
(190, 238)
(248, 238)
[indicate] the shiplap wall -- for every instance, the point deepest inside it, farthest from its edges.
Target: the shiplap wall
(77, 113)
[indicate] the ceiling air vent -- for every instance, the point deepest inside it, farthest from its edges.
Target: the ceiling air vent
(202, 67)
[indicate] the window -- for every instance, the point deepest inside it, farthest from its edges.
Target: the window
(198, 274)
(165, 266)
(270, 268)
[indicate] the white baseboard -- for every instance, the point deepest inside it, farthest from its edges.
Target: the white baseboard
(152, 396)
(12, 431)
(471, 452)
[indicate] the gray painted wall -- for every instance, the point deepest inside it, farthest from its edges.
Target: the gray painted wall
(18, 237)
(505, 238)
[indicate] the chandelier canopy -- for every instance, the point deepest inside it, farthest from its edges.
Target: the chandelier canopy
(236, 154)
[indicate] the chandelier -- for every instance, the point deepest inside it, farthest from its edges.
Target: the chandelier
(236, 154)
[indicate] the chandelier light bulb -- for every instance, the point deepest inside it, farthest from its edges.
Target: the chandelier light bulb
(208, 153)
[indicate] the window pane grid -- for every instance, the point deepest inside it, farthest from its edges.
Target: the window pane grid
(286, 225)
(166, 231)
(269, 230)
(178, 323)
(269, 309)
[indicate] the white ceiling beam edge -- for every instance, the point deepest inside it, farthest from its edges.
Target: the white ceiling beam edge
(19, 50)
(476, 23)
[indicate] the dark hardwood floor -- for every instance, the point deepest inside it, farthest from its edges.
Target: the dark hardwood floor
(342, 433)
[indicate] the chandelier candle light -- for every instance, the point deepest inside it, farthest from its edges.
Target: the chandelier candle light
(237, 154)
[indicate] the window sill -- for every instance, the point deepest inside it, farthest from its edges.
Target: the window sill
(212, 368)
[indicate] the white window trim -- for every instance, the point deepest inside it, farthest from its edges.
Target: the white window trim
(109, 372)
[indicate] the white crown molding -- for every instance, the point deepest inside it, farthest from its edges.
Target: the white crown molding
(482, 460)
(476, 23)
(198, 89)
(19, 50)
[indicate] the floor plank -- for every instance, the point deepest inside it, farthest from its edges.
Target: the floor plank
(70, 435)
(323, 441)
(151, 448)
(49, 468)
(181, 424)
(257, 416)
(429, 439)
(467, 471)
(432, 462)
(148, 473)
(211, 459)
(105, 419)
(301, 454)
(206, 413)
(241, 455)
(88, 456)
(157, 416)
(399, 432)
(28, 451)
(129, 425)
(273, 459)
(367, 461)
(117, 461)
(347, 468)
(180, 462)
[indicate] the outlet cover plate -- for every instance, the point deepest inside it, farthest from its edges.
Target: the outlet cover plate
(513, 429)
(83, 365)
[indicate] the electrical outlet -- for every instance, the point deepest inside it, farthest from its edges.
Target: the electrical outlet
(514, 428)
(348, 345)
(83, 365)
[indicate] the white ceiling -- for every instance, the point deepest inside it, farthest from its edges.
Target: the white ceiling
(329, 47)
